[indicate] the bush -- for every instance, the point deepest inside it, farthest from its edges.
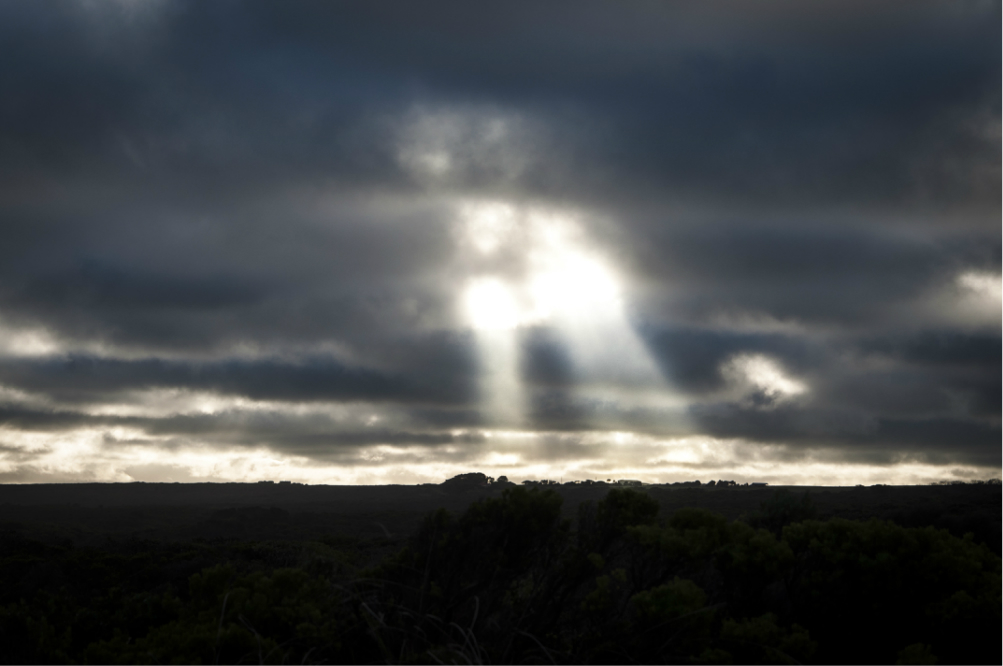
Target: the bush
(784, 508)
(891, 586)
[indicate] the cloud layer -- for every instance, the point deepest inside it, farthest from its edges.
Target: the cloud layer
(374, 242)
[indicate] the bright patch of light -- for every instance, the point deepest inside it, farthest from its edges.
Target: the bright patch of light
(502, 392)
(16, 341)
(493, 460)
(546, 273)
(490, 305)
(621, 437)
(488, 224)
(161, 403)
(494, 313)
(574, 286)
(973, 299)
(763, 374)
(436, 163)
(986, 286)
(567, 279)
(14, 396)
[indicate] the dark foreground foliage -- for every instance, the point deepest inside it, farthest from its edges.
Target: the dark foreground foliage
(510, 581)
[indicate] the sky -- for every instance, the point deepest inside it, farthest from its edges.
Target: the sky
(391, 242)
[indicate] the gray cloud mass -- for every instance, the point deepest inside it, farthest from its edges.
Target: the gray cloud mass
(402, 237)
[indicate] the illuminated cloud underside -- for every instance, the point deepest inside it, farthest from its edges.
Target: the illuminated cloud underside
(123, 456)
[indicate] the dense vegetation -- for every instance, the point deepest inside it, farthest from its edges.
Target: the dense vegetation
(510, 581)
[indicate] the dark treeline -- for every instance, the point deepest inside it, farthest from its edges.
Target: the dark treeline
(512, 581)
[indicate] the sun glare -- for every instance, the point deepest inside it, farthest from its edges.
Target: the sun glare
(491, 305)
(574, 286)
(553, 277)
(563, 281)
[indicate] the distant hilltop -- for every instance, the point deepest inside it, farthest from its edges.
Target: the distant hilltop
(473, 480)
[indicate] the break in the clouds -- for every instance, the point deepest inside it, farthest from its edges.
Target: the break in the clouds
(391, 242)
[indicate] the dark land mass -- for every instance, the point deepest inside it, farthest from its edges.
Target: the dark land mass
(537, 573)
(90, 513)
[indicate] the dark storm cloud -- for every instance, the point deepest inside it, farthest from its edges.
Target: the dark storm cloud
(90, 379)
(764, 104)
(24, 418)
(181, 181)
(856, 436)
(934, 372)
(185, 278)
(940, 348)
(804, 272)
(923, 372)
(953, 376)
(97, 287)
(545, 361)
(210, 100)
